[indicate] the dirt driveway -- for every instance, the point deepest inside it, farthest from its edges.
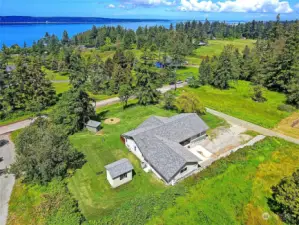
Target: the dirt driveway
(6, 181)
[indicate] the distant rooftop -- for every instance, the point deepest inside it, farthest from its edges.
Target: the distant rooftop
(10, 68)
(93, 123)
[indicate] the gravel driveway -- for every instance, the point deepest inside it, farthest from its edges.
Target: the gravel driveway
(6, 181)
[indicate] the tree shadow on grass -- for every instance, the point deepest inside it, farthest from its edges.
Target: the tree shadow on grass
(102, 115)
(131, 105)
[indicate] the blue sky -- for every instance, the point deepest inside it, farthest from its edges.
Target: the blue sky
(168, 9)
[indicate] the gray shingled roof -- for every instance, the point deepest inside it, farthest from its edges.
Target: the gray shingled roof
(93, 123)
(158, 139)
(119, 167)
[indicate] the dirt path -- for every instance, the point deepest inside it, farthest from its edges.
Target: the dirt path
(6, 181)
(251, 126)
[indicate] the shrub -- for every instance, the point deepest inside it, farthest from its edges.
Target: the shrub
(285, 199)
(190, 103)
(286, 108)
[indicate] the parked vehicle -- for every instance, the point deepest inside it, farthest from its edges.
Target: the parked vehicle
(179, 82)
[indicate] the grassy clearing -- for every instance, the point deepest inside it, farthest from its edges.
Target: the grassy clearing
(289, 126)
(184, 73)
(237, 102)
(61, 87)
(215, 47)
(52, 75)
(234, 190)
(96, 197)
(100, 97)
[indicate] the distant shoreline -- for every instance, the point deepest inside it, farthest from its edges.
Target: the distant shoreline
(10, 20)
(97, 22)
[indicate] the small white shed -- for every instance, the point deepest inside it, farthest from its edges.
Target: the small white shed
(93, 126)
(119, 172)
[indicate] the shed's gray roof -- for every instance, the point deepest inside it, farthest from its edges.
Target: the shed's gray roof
(119, 167)
(93, 123)
(158, 139)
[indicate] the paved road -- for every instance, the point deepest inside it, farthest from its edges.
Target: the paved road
(6, 181)
(15, 126)
(252, 126)
(114, 100)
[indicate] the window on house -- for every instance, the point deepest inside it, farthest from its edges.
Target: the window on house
(183, 170)
(186, 142)
(134, 148)
(123, 176)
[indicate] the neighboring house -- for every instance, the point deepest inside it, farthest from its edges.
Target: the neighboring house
(119, 172)
(10, 68)
(93, 126)
(163, 145)
(201, 43)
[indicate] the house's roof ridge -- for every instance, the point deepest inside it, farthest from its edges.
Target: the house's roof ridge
(169, 120)
(182, 149)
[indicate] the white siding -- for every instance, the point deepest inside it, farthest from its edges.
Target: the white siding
(131, 145)
(117, 181)
(191, 168)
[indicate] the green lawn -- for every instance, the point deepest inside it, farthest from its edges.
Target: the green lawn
(96, 197)
(235, 189)
(51, 75)
(237, 102)
(215, 47)
(184, 73)
(61, 87)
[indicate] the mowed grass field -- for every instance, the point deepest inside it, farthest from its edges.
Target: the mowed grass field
(235, 190)
(237, 102)
(89, 184)
(215, 47)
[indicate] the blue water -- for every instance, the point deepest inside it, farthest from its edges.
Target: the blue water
(18, 34)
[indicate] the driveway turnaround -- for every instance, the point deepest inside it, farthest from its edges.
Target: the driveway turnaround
(6, 181)
(251, 126)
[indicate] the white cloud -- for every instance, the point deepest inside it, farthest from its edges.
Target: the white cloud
(262, 6)
(297, 5)
(149, 3)
(111, 6)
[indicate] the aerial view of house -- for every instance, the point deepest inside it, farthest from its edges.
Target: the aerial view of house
(134, 112)
(165, 145)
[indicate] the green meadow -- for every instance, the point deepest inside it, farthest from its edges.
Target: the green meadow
(235, 190)
(215, 47)
(237, 102)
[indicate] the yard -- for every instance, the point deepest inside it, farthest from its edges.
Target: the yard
(89, 184)
(245, 178)
(215, 47)
(235, 190)
(237, 102)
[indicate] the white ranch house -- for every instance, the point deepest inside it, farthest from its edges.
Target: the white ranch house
(165, 146)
